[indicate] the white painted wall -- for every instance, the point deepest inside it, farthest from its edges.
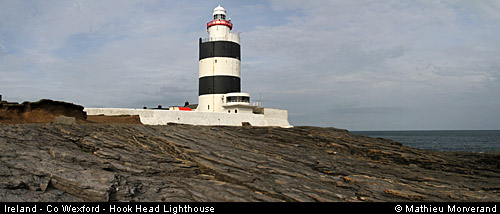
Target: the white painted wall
(233, 37)
(240, 109)
(216, 101)
(219, 66)
(218, 31)
(276, 117)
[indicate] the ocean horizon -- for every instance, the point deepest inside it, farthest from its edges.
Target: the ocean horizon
(442, 140)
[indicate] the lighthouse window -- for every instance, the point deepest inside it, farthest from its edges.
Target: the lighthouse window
(219, 16)
(238, 99)
(236, 111)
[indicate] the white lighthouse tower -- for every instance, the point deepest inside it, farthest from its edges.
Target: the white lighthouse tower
(220, 69)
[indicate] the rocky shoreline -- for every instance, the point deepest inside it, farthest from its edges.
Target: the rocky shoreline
(120, 162)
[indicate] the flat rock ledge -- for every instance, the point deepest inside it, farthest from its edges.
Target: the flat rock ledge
(96, 162)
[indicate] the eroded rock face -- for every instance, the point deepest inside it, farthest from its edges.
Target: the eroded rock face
(43, 111)
(57, 162)
(50, 111)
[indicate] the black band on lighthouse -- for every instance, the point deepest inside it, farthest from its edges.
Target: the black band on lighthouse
(219, 85)
(219, 49)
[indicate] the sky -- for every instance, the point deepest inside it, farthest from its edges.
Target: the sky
(356, 65)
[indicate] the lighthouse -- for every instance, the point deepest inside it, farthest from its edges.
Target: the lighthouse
(220, 100)
(220, 68)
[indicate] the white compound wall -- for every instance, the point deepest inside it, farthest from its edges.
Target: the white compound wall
(271, 117)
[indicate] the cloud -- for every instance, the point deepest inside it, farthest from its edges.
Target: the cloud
(367, 54)
(95, 52)
(353, 64)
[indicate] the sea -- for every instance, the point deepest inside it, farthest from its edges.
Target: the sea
(458, 140)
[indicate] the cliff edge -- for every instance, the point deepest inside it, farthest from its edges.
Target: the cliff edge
(50, 111)
(42, 111)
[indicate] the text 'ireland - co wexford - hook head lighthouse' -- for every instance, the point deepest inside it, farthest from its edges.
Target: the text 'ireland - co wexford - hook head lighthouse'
(220, 100)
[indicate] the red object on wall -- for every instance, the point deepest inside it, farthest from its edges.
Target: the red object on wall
(220, 22)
